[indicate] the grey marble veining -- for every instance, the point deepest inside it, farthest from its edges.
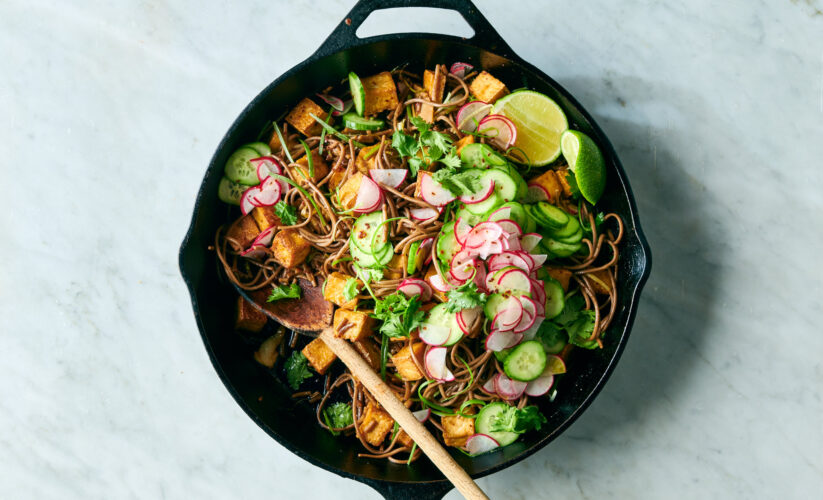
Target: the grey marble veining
(110, 110)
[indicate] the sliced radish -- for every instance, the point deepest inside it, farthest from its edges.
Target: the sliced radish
(511, 312)
(247, 200)
(508, 258)
(539, 259)
(528, 258)
(501, 213)
(461, 230)
(485, 232)
(538, 290)
(435, 364)
(334, 102)
(432, 192)
(482, 194)
(369, 196)
(507, 388)
(467, 317)
(490, 248)
(392, 177)
(269, 193)
(255, 252)
(478, 444)
(425, 289)
(266, 166)
(510, 227)
(532, 332)
(410, 289)
(422, 415)
(434, 335)
(480, 275)
(424, 248)
(439, 284)
(499, 340)
(530, 240)
(462, 266)
(488, 387)
(460, 69)
(424, 214)
(535, 193)
(264, 238)
(511, 242)
(529, 315)
(540, 385)
(511, 279)
(347, 105)
(499, 129)
(470, 114)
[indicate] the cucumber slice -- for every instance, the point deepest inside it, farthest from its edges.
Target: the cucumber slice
(485, 206)
(526, 362)
(379, 258)
(481, 156)
(516, 213)
(446, 246)
(510, 280)
(230, 192)
(438, 315)
(553, 340)
(495, 302)
(260, 147)
(239, 169)
(505, 184)
(571, 240)
(470, 218)
(502, 355)
(569, 229)
(560, 249)
(357, 122)
(365, 228)
(485, 418)
(555, 297)
(411, 261)
(358, 93)
(549, 216)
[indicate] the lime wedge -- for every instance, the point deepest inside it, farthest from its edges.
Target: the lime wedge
(587, 163)
(539, 121)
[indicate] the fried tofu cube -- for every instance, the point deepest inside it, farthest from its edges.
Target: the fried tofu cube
(333, 290)
(336, 178)
(289, 248)
(462, 143)
(404, 363)
(394, 268)
(301, 119)
(456, 430)
(435, 83)
(431, 271)
(563, 276)
(265, 217)
(352, 325)
(426, 113)
(319, 356)
(487, 88)
(248, 317)
(381, 93)
(244, 230)
(370, 352)
(548, 181)
(274, 142)
(601, 281)
(376, 424)
(366, 158)
(347, 194)
(561, 174)
(321, 169)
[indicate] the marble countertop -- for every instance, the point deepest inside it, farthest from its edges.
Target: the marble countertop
(109, 112)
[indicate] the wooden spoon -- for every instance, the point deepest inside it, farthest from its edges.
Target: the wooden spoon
(312, 315)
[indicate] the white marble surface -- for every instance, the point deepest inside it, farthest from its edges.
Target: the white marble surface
(108, 116)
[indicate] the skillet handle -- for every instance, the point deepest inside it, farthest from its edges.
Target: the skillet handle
(344, 35)
(410, 491)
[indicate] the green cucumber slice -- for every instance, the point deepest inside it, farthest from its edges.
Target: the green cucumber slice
(551, 217)
(446, 246)
(555, 297)
(559, 249)
(485, 206)
(358, 93)
(239, 169)
(569, 229)
(230, 192)
(495, 302)
(260, 147)
(479, 155)
(379, 258)
(505, 184)
(526, 362)
(438, 315)
(364, 230)
(571, 240)
(411, 260)
(468, 217)
(482, 423)
(357, 122)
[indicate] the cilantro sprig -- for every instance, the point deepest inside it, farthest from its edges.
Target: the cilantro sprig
(575, 323)
(399, 314)
(465, 296)
(297, 369)
(279, 292)
(350, 289)
(517, 420)
(428, 147)
(286, 213)
(338, 416)
(457, 182)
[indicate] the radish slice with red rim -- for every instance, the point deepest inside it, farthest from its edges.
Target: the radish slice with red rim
(532, 331)
(434, 335)
(268, 194)
(392, 177)
(424, 214)
(540, 385)
(528, 258)
(488, 387)
(266, 166)
(470, 114)
(347, 105)
(539, 259)
(439, 284)
(369, 196)
(528, 317)
(460, 69)
(499, 130)
(255, 252)
(477, 444)
(482, 194)
(435, 364)
(410, 289)
(425, 249)
(529, 241)
(507, 388)
(480, 275)
(432, 192)
(422, 415)
(247, 200)
(538, 290)
(425, 289)
(499, 340)
(510, 227)
(511, 312)
(467, 317)
(535, 193)
(501, 213)
(508, 258)
(264, 238)
(461, 230)
(512, 242)
(334, 102)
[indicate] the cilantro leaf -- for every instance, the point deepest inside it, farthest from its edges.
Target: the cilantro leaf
(580, 330)
(574, 323)
(284, 292)
(350, 290)
(451, 160)
(297, 369)
(399, 314)
(415, 165)
(519, 421)
(405, 144)
(465, 296)
(286, 213)
(420, 124)
(458, 183)
(338, 416)
(573, 305)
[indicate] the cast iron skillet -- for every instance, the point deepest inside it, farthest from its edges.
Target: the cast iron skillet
(265, 399)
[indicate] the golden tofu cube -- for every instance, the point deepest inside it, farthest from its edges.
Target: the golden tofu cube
(462, 143)
(426, 113)
(301, 119)
(321, 169)
(274, 142)
(376, 424)
(370, 352)
(366, 158)
(248, 317)
(601, 281)
(352, 325)
(487, 88)
(394, 268)
(333, 290)
(404, 363)
(381, 93)
(435, 83)
(289, 248)
(347, 194)
(431, 271)
(319, 356)
(563, 276)
(265, 217)
(244, 230)
(561, 174)
(404, 439)
(548, 181)
(336, 178)
(456, 430)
